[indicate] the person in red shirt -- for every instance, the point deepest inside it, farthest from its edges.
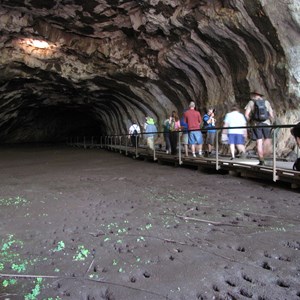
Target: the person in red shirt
(194, 119)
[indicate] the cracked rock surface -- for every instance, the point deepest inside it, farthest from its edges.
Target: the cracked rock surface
(89, 67)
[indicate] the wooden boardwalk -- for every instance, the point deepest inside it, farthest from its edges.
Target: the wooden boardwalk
(274, 170)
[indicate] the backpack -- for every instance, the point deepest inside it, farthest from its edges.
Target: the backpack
(260, 111)
(166, 126)
(135, 133)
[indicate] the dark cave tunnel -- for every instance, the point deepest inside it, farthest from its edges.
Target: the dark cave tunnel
(53, 124)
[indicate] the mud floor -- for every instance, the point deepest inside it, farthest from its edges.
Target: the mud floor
(92, 224)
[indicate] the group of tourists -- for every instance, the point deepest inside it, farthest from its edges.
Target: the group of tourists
(199, 133)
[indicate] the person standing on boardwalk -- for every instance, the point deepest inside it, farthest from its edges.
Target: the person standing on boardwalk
(134, 134)
(236, 136)
(209, 123)
(150, 131)
(174, 128)
(193, 119)
(260, 113)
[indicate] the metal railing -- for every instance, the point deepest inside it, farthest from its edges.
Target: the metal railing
(119, 142)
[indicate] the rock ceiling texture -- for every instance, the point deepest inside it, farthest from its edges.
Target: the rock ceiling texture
(91, 66)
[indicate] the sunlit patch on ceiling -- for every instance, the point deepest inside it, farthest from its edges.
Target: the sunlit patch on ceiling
(38, 47)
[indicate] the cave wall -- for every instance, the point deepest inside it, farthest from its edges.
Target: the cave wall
(107, 62)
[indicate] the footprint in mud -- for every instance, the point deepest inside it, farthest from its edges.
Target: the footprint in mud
(246, 293)
(283, 284)
(241, 249)
(247, 278)
(295, 245)
(230, 283)
(265, 265)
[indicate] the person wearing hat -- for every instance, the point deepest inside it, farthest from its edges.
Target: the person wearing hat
(260, 113)
(150, 132)
(209, 123)
(194, 119)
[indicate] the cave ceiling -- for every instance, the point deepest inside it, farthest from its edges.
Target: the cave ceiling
(90, 67)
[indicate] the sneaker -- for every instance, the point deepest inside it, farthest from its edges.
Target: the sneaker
(167, 152)
(194, 155)
(232, 158)
(200, 153)
(261, 163)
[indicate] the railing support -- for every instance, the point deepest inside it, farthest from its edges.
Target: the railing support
(217, 151)
(179, 149)
(136, 146)
(274, 156)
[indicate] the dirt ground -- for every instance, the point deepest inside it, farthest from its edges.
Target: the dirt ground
(92, 224)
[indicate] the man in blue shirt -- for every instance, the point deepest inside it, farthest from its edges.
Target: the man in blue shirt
(209, 122)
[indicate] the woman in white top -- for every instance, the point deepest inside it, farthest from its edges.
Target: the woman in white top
(236, 136)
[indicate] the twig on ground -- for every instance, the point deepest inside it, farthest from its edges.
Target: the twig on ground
(201, 220)
(82, 278)
(29, 276)
(90, 266)
(96, 234)
(7, 295)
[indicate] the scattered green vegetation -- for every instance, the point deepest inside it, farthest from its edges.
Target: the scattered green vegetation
(14, 201)
(81, 253)
(35, 291)
(60, 246)
(8, 282)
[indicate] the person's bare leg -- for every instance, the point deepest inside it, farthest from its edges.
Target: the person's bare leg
(260, 150)
(267, 147)
(241, 148)
(193, 149)
(199, 149)
(209, 148)
(232, 150)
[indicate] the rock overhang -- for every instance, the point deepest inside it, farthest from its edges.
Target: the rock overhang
(108, 62)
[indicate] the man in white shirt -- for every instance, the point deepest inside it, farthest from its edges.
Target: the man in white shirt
(134, 134)
(236, 136)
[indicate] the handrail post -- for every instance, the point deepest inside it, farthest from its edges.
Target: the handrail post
(154, 153)
(274, 156)
(217, 150)
(120, 143)
(136, 146)
(179, 148)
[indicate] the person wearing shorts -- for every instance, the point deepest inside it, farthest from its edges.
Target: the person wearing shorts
(209, 122)
(261, 135)
(236, 136)
(193, 119)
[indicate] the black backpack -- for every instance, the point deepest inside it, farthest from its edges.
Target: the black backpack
(135, 132)
(260, 111)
